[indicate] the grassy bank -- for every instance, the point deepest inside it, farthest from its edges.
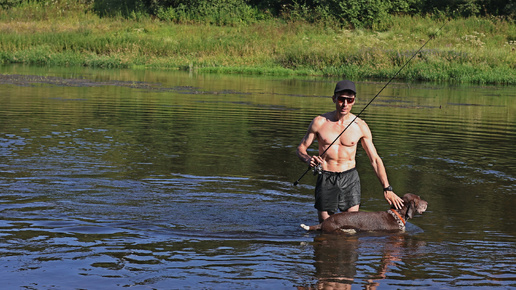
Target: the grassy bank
(472, 50)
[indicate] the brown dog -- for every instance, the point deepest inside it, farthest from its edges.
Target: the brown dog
(391, 220)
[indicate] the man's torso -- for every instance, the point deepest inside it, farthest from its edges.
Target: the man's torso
(341, 156)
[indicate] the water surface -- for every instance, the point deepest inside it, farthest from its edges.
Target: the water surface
(151, 179)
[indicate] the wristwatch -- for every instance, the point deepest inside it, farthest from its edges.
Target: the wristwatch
(388, 188)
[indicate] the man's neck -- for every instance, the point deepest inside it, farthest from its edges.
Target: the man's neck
(341, 118)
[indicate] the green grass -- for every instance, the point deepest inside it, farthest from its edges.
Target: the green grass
(468, 50)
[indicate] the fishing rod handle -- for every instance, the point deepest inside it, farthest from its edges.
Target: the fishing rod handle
(297, 181)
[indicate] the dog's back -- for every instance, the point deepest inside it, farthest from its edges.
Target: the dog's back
(359, 221)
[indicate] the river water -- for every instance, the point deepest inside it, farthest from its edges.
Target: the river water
(175, 180)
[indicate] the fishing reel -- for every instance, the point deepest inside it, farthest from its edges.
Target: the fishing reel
(317, 169)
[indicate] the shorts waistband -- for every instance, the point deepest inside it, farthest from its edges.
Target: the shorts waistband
(334, 172)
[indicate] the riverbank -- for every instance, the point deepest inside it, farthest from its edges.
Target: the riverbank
(471, 50)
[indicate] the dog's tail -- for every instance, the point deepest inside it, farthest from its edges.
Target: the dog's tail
(311, 228)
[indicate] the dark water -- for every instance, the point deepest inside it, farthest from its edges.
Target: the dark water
(171, 180)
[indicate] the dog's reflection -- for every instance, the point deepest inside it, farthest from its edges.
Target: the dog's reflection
(338, 258)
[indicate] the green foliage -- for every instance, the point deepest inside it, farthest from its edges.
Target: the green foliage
(4, 4)
(363, 13)
(43, 9)
(473, 49)
(125, 8)
(320, 15)
(354, 13)
(467, 8)
(222, 12)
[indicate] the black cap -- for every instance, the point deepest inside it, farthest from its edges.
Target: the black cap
(345, 85)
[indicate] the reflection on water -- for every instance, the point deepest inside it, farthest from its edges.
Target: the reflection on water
(341, 261)
(165, 180)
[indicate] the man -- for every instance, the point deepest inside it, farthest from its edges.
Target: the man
(338, 186)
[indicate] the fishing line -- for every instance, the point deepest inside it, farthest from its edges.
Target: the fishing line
(372, 100)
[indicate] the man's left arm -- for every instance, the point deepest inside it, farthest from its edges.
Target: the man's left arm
(379, 168)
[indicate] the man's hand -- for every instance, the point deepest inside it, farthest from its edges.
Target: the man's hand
(393, 199)
(314, 161)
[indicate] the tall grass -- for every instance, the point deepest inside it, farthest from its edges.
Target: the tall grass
(477, 50)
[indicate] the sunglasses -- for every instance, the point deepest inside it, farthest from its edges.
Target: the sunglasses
(348, 100)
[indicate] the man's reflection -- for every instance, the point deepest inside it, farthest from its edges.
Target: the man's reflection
(337, 258)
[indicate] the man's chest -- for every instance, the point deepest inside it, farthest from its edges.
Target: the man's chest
(330, 132)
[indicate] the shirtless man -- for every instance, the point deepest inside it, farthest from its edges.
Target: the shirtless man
(338, 186)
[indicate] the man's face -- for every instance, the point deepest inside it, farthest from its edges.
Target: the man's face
(344, 101)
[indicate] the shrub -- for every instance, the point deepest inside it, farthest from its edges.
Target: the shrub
(4, 4)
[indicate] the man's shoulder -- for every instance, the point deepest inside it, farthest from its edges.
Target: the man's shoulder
(326, 116)
(322, 119)
(360, 121)
(363, 126)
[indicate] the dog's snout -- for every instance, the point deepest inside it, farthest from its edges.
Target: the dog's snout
(422, 207)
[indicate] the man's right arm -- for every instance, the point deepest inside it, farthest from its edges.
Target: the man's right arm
(307, 140)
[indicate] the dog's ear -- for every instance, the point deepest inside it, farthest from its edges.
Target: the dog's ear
(411, 209)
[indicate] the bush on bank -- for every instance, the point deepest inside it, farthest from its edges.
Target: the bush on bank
(351, 13)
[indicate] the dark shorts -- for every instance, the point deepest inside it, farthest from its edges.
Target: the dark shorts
(337, 190)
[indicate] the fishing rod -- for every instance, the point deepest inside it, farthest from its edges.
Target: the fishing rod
(363, 109)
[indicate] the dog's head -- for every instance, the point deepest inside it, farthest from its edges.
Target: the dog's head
(413, 204)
